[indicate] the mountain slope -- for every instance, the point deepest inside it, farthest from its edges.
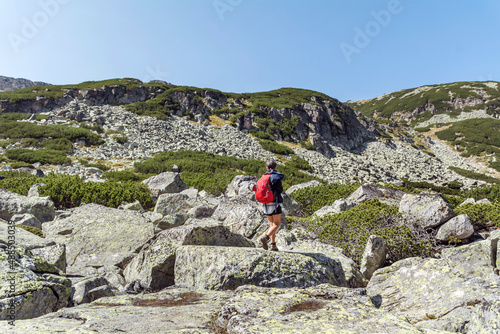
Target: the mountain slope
(9, 84)
(420, 104)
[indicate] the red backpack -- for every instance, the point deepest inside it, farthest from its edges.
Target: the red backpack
(263, 192)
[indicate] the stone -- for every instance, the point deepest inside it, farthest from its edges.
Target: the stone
(168, 204)
(191, 192)
(100, 292)
(428, 210)
(171, 221)
(338, 206)
(165, 183)
(468, 201)
(97, 236)
(153, 267)
(370, 191)
(135, 206)
(483, 201)
(459, 227)
(26, 219)
(291, 207)
(374, 255)
(242, 185)
(54, 255)
(320, 309)
(170, 311)
(33, 192)
(200, 212)
(12, 203)
(39, 286)
(226, 268)
(23, 237)
(296, 187)
(81, 289)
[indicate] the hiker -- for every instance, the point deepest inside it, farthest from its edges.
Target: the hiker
(273, 209)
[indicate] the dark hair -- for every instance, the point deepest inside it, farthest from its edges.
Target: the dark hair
(271, 164)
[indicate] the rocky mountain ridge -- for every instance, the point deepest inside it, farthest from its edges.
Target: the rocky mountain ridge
(9, 84)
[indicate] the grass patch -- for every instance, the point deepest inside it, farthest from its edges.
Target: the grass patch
(44, 156)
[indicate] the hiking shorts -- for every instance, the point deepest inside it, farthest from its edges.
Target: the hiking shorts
(271, 209)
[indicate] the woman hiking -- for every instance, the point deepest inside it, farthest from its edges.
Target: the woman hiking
(273, 210)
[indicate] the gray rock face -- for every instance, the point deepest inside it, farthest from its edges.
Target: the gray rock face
(82, 290)
(171, 221)
(153, 267)
(11, 203)
(169, 204)
(200, 212)
(33, 286)
(296, 187)
(373, 256)
(369, 191)
(442, 294)
(99, 237)
(54, 255)
(26, 219)
(23, 237)
(428, 210)
(242, 185)
(459, 227)
(226, 268)
(165, 183)
(338, 206)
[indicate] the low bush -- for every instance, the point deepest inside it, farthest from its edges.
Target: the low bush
(299, 163)
(16, 165)
(312, 199)
(125, 175)
(261, 135)
(473, 175)
(481, 215)
(120, 139)
(351, 229)
(43, 156)
(18, 182)
(308, 145)
(274, 147)
(58, 144)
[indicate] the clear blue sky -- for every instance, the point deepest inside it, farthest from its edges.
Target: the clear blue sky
(347, 49)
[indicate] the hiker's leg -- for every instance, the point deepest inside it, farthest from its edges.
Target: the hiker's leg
(275, 225)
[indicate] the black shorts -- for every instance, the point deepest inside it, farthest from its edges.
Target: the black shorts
(272, 209)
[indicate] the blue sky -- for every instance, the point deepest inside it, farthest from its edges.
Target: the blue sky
(347, 49)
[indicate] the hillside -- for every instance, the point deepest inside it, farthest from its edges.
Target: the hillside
(420, 104)
(9, 84)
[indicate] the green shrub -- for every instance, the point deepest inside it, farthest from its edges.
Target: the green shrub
(93, 127)
(125, 175)
(481, 215)
(308, 145)
(351, 229)
(120, 139)
(312, 199)
(4, 143)
(58, 144)
(492, 193)
(29, 142)
(275, 147)
(261, 135)
(299, 163)
(43, 156)
(18, 182)
(16, 165)
(473, 175)
(2, 158)
(32, 229)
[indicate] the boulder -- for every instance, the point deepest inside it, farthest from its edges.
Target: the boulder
(242, 216)
(99, 237)
(385, 195)
(294, 241)
(292, 208)
(170, 221)
(439, 294)
(54, 255)
(168, 204)
(11, 203)
(170, 311)
(374, 255)
(33, 192)
(483, 201)
(468, 201)
(30, 287)
(296, 187)
(200, 212)
(242, 185)
(165, 183)
(428, 210)
(153, 267)
(226, 268)
(319, 309)
(22, 237)
(338, 206)
(135, 206)
(81, 290)
(26, 219)
(459, 227)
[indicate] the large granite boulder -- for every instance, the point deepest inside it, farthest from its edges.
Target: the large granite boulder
(30, 287)
(296, 187)
(82, 290)
(99, 239)
(153, 267)
(459, 227)
(320, 309)
(12, 203)
(165, 183)
(374, 255)
(226, 268)
(427, 210)
(26, 219)
(169, 204)
(242, 185)
(22, 237)
(451, 293)
(385, 195)
(169, 311)
(338, 206)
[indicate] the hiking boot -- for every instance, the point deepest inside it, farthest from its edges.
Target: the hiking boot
(273, 247)
(263, 241)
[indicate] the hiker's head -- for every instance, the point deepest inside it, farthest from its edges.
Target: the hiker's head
(271, 164)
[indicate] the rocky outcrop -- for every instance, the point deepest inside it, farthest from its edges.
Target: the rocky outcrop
(9, 84)
(12, 203)
(153, 267)
(459, 227)
(99, 239)
(337, 207)
(226, 268)
(428, 210)
(370, 191)
(296, 187)
(165, 183)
